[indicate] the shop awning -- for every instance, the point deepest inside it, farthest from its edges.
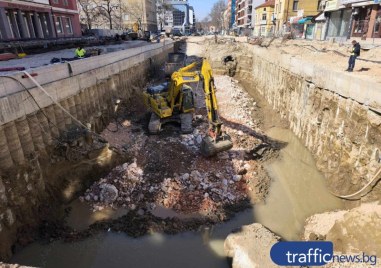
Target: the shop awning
(294, 20)
(319, 17)
(305, 20)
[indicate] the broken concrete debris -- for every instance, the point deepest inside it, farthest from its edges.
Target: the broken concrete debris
(127, 186)
(179, 178)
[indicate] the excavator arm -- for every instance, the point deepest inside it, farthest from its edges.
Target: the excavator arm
(216, 141)
(210, 99)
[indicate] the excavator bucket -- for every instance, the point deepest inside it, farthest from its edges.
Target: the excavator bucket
(209, 147)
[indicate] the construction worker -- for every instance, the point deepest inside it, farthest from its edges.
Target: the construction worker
(355, 52)
(80, 52)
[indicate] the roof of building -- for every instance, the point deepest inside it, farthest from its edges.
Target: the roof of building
(269, 3)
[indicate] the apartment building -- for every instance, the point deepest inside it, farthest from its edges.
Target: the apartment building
(38, 19)
(231, 13)
(244, 13)
(264, 19)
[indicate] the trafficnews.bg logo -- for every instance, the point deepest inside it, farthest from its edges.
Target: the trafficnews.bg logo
(313, 253)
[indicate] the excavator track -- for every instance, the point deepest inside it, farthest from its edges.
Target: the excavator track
(154, 125)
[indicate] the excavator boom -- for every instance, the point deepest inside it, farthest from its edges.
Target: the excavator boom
(216, 141)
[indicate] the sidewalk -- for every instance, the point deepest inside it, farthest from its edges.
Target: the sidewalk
(37, 60)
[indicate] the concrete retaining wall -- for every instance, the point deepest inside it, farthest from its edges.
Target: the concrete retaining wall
(39, 168)
(86, 88)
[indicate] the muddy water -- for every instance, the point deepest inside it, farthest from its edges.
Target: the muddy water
(297, 191)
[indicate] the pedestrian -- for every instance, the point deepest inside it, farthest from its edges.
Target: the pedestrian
(355, 52)
(80, 52)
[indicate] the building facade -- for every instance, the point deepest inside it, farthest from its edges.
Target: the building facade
(180, 16)
(38, 19)
(288, 12)
(366, 18)
(25, 20)
(264, 14)
(353, 18)
(66, 18)
(231, 13)
(253, 17)
(244, 13)
(142, 12)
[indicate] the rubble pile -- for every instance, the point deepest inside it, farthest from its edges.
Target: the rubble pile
(127, 186)
(167, 170)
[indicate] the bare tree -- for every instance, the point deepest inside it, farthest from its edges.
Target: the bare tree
(217, 14)
(108, 9)
(204, 25)
(89, 12)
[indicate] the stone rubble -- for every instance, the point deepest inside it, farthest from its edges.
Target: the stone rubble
(128, 187)
(170, 172)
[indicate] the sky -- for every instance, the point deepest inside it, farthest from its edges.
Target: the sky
(202, 7)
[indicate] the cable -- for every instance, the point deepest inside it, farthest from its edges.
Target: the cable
(350, 196)
(57, 103)
(45, 115)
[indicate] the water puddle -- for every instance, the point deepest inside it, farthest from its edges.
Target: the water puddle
(297, 191)
(81, 216)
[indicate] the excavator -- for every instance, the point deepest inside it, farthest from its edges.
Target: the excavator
(174, 102)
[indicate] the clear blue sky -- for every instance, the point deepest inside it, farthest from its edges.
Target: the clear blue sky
(202, 8)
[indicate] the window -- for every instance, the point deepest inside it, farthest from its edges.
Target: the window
(65, 3)
(264, 16)
(55, 1)
(69, 27)
(321, 5)
(59, 25)
(295, 5)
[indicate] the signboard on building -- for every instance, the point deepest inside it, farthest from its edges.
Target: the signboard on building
(44, 2)
(345, 2)
(331, 5)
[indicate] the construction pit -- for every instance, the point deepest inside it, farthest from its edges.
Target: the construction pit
(117, 196)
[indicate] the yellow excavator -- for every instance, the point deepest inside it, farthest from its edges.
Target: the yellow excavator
(174, 102)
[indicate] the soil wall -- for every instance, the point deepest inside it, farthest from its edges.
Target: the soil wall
(336, 114)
